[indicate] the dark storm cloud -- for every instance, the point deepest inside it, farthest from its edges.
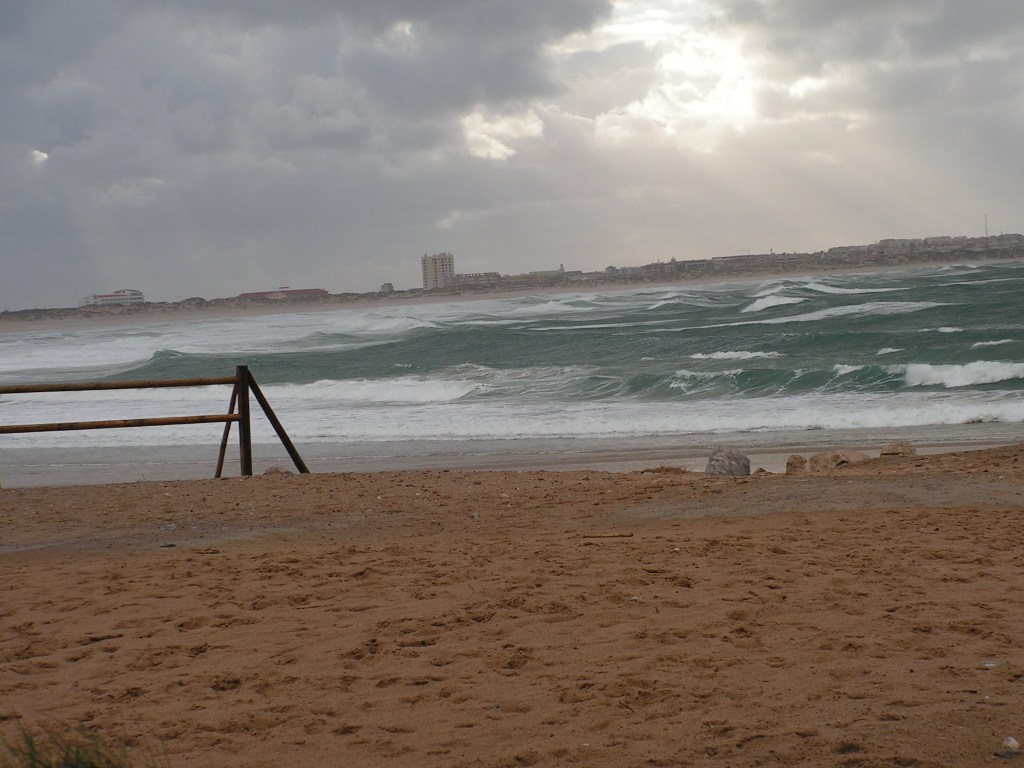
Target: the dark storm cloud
(207, 73)
(535, 20)
(216, 136)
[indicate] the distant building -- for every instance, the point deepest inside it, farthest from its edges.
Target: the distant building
(286, 293)
(550, 272)
(438, 271)
(478, 280)
(123, 296)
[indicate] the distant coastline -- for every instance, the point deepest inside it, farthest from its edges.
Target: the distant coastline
(887, 254)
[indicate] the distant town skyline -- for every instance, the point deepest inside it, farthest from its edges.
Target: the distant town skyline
(440, 274)
(188, 148)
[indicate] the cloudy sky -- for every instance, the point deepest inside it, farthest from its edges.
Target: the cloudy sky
(200, 148)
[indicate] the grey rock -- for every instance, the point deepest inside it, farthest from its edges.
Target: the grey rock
(727, 461)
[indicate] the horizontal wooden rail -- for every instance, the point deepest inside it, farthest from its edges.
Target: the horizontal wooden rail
(90, 386)
(165, 421)
(243, 383)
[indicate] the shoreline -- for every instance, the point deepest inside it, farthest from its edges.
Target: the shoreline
(156, 317)
(187, 314)
(102, 465)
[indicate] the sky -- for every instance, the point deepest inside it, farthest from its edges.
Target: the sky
(193, 148)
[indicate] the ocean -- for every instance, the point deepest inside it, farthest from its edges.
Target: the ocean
(933, 354)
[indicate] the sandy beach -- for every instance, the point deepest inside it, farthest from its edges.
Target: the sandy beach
(865, 617)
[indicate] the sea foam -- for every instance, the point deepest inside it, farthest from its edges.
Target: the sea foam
(844, 370)
(876, 308)
(998, 343)
(773, 300)
(606, 365)
(823, 288)
(950, 376)
(737, 355)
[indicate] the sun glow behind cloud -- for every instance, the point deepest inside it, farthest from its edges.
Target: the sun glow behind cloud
(704, 86)
(492, 138)
(704, 89)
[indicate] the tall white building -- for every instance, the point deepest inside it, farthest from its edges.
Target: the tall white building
(438, 271)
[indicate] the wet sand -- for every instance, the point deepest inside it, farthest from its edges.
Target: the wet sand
(88, 461)
(868, 617)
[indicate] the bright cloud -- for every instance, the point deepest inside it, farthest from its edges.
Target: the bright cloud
(492, 139)
(703, 84)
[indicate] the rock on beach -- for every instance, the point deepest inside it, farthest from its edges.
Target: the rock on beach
(827, 460)
(899, 448)
(727, 461)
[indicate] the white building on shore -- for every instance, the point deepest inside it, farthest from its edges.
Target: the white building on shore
(438, 271)
(123, 296)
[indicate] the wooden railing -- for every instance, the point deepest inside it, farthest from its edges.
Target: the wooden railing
(243, 384)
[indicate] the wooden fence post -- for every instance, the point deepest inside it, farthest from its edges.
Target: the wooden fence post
(278, 427)
(244, 421)
(227, 433)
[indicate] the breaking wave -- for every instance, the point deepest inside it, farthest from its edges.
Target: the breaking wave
(797, 354)
(738, 355)
(969, 374)
(771, 301)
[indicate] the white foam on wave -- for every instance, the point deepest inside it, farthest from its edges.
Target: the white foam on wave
(76, 351)
(888, 350)
(683, 373)
(993, 343)
(410, 389)
(311, 419)
(768, 302)
(85, 349)
(80, 349)
(477, 419)
(687, 299)
(548, 308)
(834, 289)
(879, 308)
(966, 375)
(736, 355)
(691, 382)
(597, 326)
(949, 329)
(771, 289)
(106, 405)
(15, 374)
(844, 370)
